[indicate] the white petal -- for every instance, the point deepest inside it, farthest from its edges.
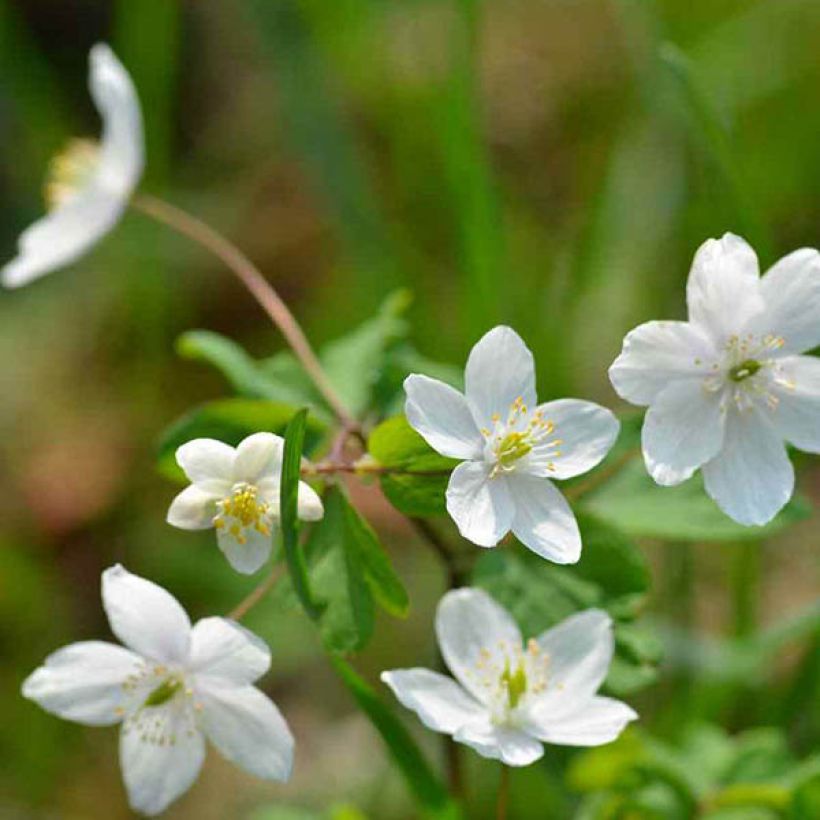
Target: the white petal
(83, 682)
(655, 353)
(586, 431)
(797, 417)
(752, 478)
(580, 651)
(500, 368)
(246, 558)
(258, 456)
(193, 508)
(441, 416)
(309, 504)
(594, 722)
(441, 704)
(511, 746)
(206, 459)
(155, 775)
(683, 429)
(791, 293)
(223, 648)
(723, 291)
(122, 150)
(66, 233)
(247, 728)
(544, 521)
(469, 623)
(145, 617)
(481, 506)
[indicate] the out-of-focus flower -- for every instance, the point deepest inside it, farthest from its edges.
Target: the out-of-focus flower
(173, 686)
(508, 698)
(511, 447)
(726, 388)
(236, 490)
(90, 183)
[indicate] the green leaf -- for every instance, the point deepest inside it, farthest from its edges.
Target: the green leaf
(394, 443)
(348, 568)
(228, 420)
(427, 789)
(288, 509)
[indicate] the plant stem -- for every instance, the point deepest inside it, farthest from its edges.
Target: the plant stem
(250, 276)
(503, 794)
(596, 479)
(745, 587)
(255, 596)
(360, 468)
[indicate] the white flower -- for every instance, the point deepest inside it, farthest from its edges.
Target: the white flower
(236, 490)
(90, 184)
(726, 388)
(172, 687)
(509, 698)
(511, 447)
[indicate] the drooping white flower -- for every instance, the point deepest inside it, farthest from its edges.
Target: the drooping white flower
(511, 447)
(170, 687)
(236, 490)
(728, 387)
(90, 183)
(508, 698)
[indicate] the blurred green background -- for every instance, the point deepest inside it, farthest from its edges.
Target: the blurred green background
(551, 164)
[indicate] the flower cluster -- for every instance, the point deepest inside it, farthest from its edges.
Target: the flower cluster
(725, 390)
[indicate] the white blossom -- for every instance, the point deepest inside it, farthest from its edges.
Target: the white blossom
(90, 183)
(236, 491)
(170, 687)
(508, 697)
(511, 447)
(728, 387)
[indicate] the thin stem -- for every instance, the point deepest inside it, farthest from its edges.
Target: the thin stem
(259, 287)
(503, 794)
(596, 479)
(745, 587)
(360, 468)
(255, 596)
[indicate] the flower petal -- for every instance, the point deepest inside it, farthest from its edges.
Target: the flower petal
(246, 728)
(206, 459)
(309, 504)
(258, 456)
(469, 623)
(145, 617)
(225, 649)
(594, 722)
(586, 432)
(752, 478)
(441, 416)
(511, 746)
(500, 368)
(193, 509)
(580, 651)
(544, 521)
(246, 557)
(66, 233)
(682, 430)
(791, 293)
(83, 682)
(656, 353)
(723, 291)
(155, 775)
(481, 506)
(797, 417)
(441, 704)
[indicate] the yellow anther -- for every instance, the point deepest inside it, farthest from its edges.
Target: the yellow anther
(70, 170)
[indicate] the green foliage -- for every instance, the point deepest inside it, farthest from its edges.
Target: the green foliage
(348, 570)
(288, 511)
(428, 791)
(394, 443)
(612, 574)
(720, 777)
(228, 420)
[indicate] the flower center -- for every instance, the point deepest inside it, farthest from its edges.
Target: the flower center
(164, 692)
(515, 683)
(743, 370)
(516, 436)
(70, 170)
(242, 510)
